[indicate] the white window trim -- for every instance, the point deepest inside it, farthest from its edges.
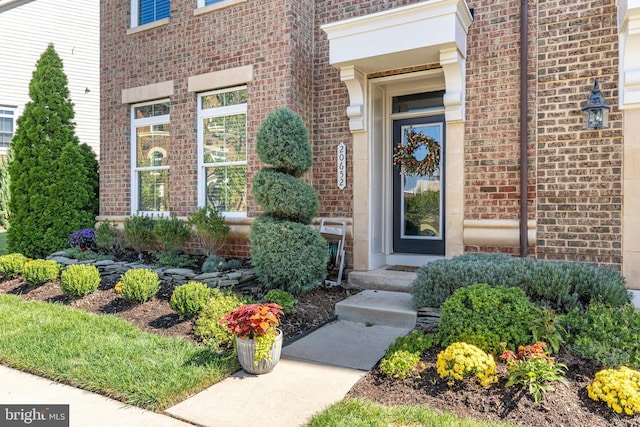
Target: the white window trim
(135, 181)
(12, 116)
(201, 8)
(206, 114)
(135, 16)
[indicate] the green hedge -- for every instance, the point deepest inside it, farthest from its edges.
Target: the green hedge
(560, 285)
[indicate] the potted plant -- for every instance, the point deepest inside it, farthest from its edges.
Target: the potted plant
(258, 340)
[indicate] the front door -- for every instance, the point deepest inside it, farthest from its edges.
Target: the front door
(418, 200)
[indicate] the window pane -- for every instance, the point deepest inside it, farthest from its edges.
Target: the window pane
(153, 191)
(224, 99)
(152, 145)
(225, 139)
(208, 2)
(5, 139)
(227, 188)
(152, 10)
(417, 102)
(6, 125)
(153, 110)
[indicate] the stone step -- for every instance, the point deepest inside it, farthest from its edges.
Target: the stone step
(373, 307)
(383, 279)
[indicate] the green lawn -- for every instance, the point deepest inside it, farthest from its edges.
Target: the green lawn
(361, 413)
(105, 354)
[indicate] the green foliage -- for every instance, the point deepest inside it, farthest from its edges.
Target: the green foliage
(5, 182)
(402, 364)
(230, 264)
(283, 299)
(209, 228)
(560, 285)
(288, 255)
(170, 233)
(40, 271)
(189, 299)
(77, 253)
(207, 327)
(285, 196)
(282, 142)
(173, 260)
(139, 285)
(11, 265)
(486, 316)
(608, 335)
(212, 264)
(138, 233)
(108, 239)
(78, 280)
(414, 342)
(52, 189)
(547, 328)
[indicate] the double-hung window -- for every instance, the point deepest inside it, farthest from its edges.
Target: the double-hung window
(222, 150)
(147, 11)
(7, 126)
(150, 158)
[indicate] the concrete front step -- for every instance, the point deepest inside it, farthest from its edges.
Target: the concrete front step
(374, 307)
(383, 279)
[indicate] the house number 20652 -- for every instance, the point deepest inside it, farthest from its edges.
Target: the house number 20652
(342, 166)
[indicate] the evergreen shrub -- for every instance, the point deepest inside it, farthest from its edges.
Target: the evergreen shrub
(209, 228)
(212, 264)
(138, 233)
(78, 280)
(40, 271)
(108, 239)
(207, 327)
(288, 255)
(139, 285)
(189, 299)
(559, 285)
(170, 233)
(285, 196)
(11, 264)
(486, 316)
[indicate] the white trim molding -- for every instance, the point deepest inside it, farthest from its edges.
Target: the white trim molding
(629, 47)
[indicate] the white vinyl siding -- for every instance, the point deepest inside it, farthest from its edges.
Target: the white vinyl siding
(74, 29)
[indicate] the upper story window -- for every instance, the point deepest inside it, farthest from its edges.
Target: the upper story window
(207, 2)
(7, 126)
(147, 11)
(150, 158)
(222, 150)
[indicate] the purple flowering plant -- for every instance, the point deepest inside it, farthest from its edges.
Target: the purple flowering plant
(82, 238)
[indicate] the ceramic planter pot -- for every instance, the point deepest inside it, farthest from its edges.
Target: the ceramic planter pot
(247, 351)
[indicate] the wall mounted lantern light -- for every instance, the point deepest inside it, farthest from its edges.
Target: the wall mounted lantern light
(595, 113)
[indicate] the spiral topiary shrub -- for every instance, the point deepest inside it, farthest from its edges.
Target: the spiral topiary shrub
(11, 265)
(486, 316)
(286, 252)
(139, 285)
(189, 299)
(79, 280)
(40, 271)
(288, 255)
(207, 327)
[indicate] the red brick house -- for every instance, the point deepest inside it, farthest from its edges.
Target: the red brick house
(186, 83)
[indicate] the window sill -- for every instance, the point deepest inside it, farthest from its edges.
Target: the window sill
(217, 6)
(149, 26)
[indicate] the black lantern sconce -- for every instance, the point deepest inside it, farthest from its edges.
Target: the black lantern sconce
(595, 114)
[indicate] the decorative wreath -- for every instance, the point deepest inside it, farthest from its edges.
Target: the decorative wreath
(404, 157)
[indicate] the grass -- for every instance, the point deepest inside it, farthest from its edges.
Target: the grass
(105, 354)
(361, 413)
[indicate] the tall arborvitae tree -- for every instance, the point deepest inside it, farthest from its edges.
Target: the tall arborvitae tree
(53, 188)
(4, 190)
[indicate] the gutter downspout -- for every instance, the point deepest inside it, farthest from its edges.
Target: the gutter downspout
(524, 110)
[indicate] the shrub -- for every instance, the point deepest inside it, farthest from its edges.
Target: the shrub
(282, 298)
(212, 263)
(533, 369)
(606, 334)
(77, 253)
(173, 259)
(79, 280)
(547, 328)
(414, 342)
(402, 364)
(209, 228)
(288, 255)
(618, 388)
(40, 271)
(560, 285)
(486, 316)
(108, 238)
(189, 299)
(461, 360)
(11, 265)
(285, 196)
(207, 327)
(138, 233)
(139, 284)
(231, 264)
(170, 233)
(84, 238)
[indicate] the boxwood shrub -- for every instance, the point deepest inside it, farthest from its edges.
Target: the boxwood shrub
(79, 280)
(40, 271)
(207, 327)
(139, 284)
(11, 265)
(189, 299)
(560, 285)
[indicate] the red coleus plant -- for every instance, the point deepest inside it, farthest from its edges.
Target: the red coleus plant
(253, 320)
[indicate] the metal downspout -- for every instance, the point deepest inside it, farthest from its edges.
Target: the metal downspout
(524, 110)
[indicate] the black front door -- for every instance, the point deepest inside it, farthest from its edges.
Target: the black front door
(418, 200)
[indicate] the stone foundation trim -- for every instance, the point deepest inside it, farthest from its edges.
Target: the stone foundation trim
(496, 232)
